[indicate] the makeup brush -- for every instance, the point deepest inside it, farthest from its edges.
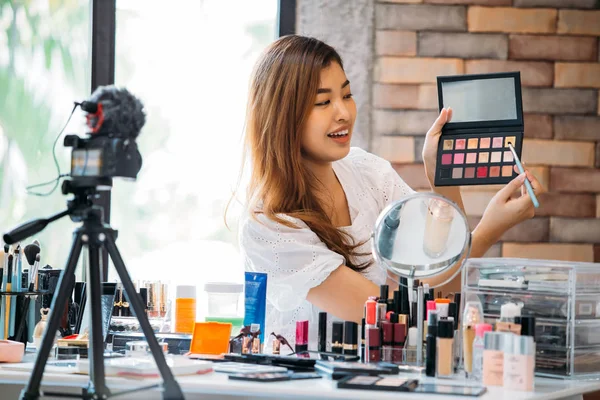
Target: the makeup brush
(31, 250)
(28, 305)
(528, 186)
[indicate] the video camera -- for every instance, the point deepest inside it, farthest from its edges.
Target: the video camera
(115, 118)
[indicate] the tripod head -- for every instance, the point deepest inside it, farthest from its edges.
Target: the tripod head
(80, 208)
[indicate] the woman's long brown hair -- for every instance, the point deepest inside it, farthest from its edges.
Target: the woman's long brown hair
(282, 93)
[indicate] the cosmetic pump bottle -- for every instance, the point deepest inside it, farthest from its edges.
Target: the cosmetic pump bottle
(444, 349)
(478, 346)
(472, 315)
(430, 343)
(437, 228)
(507, 323)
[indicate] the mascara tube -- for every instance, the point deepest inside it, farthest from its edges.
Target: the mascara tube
(430, 341)
(322, 338)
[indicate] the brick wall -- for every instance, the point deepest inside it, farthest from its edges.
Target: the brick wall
(555, 45)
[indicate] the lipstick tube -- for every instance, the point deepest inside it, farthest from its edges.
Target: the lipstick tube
(337, 337)
(350, 338)
(399, 337)
(301, 336)
(387, 329)
(373, 349)
(322, 338)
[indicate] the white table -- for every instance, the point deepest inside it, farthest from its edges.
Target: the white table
(217, 386)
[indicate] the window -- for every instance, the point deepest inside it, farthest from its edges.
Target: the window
(44, 67)
(190, 64)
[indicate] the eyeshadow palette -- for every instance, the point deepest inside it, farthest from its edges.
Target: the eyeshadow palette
(366, 382)
(487, 115)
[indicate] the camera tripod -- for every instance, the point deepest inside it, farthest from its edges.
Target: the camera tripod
(94, 234)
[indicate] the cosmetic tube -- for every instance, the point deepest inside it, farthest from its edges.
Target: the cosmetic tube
(472, 315)
(322, 332)
(373, 349)
(430, 343)
(404, 307)
(350, 338)
(507, 323)
(387, 333)
(437, 228)
(420, 328)
(337, 337)
(399, 338)
(493, 358)
(411, 347)
(478, 346)
(382, 303)
(185, 308)
(519, 362)
(527, 326)
(430, 306)
(363, 340)
(444, 349)
(442, 306)
(301, 336)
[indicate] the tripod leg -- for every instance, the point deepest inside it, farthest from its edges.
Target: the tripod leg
(61, 295)
(172, 390)
(97, 384)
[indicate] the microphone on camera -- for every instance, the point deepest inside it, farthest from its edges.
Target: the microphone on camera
(114, 112)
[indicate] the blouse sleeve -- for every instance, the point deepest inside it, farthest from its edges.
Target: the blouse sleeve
(381, 177)
(295, 259)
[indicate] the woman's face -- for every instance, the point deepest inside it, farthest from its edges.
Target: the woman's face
(328, 130)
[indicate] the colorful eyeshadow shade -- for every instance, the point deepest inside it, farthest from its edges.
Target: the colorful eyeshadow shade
(497, 142)
(447, 159)
(496, 156)
(494, 172)
(483, 158)
(470, 172)
(448, 144)
(510, 139)
(471, 158)
(457, 173)
(482, 172)
(445, 173)
(484, 143)
(461, 144)
(459, 158)
(507, 170)
(508, 156)
(473, 143)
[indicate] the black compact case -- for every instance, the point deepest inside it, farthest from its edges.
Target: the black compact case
(487, 114)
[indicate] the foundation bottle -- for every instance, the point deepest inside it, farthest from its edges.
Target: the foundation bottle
(493, 358)
(509, 312)
(472, 316)
(519, 362)
(444, 349)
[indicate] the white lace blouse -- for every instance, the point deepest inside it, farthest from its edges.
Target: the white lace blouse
(296, 260)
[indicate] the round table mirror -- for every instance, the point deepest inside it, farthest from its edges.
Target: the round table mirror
(421, 236)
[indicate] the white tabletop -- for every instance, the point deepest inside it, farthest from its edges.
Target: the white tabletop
(218, 386)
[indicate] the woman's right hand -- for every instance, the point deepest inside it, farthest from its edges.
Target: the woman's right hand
(503, 212)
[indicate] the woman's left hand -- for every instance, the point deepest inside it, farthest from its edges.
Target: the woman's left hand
(432, 139)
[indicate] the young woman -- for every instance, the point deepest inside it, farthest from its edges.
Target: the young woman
(313, 200)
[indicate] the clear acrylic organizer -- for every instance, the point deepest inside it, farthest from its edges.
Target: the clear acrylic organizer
(564, 297)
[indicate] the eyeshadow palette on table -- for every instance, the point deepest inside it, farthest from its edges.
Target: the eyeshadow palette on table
(487, 115)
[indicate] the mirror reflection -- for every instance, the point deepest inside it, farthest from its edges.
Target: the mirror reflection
(421, 236)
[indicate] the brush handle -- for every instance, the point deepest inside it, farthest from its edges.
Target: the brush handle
(2, 316)
(528, 186)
